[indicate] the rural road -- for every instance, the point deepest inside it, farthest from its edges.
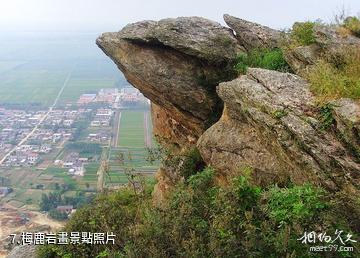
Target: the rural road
(116, 127)
(40, 122)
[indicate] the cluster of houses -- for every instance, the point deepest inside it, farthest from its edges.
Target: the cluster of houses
(114, 97)
(102, 117)
(15, 125)
(102, 137)
(19, 118)
(27, 155)
(104, 95)
(74, 164)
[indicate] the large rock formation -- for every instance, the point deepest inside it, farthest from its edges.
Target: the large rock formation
(270, 122)
(177, 64)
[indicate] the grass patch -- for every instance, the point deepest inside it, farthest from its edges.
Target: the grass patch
(271, 59)
(353, 25)
(337, 76)
(302, 34)
(131, 130)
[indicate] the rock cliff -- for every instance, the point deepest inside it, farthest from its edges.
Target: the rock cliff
(177, 64)
(271, 124)
(269, 120)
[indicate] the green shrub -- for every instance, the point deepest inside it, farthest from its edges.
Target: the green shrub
(353, 24)
(114, 212)
(302, 33)
(271, 59)
(326, 117)
(295, 204)
(201, 219)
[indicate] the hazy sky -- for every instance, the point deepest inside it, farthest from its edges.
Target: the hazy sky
(96, 15)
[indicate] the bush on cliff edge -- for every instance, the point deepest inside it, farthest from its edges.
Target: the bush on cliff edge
(271, 59)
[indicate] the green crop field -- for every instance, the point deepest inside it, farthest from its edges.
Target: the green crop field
(19, 86)
(39, 82)
(131, 129)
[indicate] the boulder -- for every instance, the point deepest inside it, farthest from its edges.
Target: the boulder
(251, 35)
(270, 122)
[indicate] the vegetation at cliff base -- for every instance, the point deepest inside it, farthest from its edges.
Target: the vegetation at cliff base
(271, 59)
(202, 219)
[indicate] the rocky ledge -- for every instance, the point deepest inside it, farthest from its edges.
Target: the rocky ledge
(269, 121)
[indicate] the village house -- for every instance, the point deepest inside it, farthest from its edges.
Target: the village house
(32, 158)
(65, 208)
(86, 99)
(45, 148)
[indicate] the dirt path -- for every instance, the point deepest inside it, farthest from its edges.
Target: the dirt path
(43, 219)
(116, 127)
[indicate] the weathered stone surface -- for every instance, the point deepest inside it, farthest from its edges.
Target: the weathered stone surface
(331, 38)
(194, 36)
(347, 117)
(252, 35)
(166, 128)
(301, 57)
(271, 125)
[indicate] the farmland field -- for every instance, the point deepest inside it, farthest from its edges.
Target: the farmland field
(34, 74)
(131, 129)
(40, 87)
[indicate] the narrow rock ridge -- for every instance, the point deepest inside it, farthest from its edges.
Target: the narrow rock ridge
(251, 35)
